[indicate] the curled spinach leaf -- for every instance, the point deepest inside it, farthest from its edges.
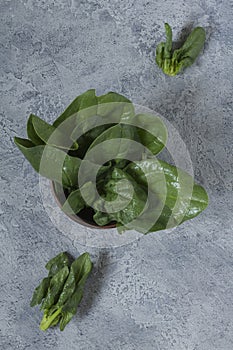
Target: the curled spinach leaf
(182, 199)
(124, 199)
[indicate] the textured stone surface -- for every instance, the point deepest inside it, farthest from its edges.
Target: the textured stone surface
(166, 290)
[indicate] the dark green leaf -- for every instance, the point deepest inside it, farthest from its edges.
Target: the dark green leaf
(32, 135)
(50, 162)
(115, 143)
(75, 201)
(65, 319)
(187, 54)
(124, 199)
(49, 134)
(116, 107)
(40, 292)
(61, 259)
(81, 268)
(173, 62)
(70, 170)
(112, 108)
(79, 271)
(164, 51)
(159, 59)
(71, 306)
(101, 218)
(57, 263)
(124, 141)
(183, 198)
(56, 285)
(152, 132)
(82, 102)
(88, 137)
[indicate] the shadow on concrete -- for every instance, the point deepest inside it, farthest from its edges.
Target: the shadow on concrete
(94, 284)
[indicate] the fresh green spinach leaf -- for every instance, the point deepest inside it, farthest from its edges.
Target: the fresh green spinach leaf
(57, 263)
(108, 136)
(49, 134)
(121, 191)
(50, 162)
(183, 198)
(172, 62)
(87, 102)
(40, 291)
(62, 292)
(32, 135)
(116, 107)
(55, 288)
(75, 201)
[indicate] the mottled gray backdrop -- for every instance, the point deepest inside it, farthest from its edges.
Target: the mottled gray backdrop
(164, 291)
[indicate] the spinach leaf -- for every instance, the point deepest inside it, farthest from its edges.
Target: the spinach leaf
(128, 140)
(40, 291)
(75, 201)
(81, 103)
(116, 107)
(70, 171)
(32, 135)
(71, 306)
(88, 174)
(48, 134)
(50, 162)
(112, 108)
(184, 199)
(164, 50)
(173, 62)
(125, 199)
(88, 137)
(120, 148)
(57, 263)
(187, 54)
(54, 265)
(80, 269)
(102, 218)
(79, 272)
(55, 288)
(65, 290)
(152, 132)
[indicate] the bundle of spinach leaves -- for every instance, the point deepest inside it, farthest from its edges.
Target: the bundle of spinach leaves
(61, 291)
(103, 156)
(172, 62)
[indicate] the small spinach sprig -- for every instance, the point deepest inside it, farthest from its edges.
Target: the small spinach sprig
(172, 62)
(61, 292)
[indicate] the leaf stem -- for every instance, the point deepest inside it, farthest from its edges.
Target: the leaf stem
(47, 321)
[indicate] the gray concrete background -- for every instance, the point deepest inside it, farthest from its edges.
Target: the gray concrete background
(164, 291)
